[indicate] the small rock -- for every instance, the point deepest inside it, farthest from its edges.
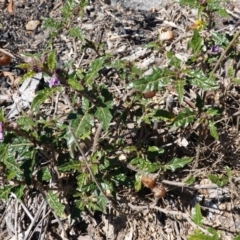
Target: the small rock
(32, 25)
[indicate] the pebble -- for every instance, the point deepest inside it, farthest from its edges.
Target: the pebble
(32, 25)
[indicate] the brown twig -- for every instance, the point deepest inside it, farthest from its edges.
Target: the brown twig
(170, 212)
(96, 138)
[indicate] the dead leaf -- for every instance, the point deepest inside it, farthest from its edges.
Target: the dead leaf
(9, 75)
(10, 7)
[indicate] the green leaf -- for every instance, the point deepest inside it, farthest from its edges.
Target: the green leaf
(146, 165)
(197, 235)
(81, 124)
(214, 111)
(74, 84)
(197, 78)
(5, 191)
(155, 149)
(25, 123)
(179, 86)
(138, 183)
(76, 32)
(51, 23)
(220, 181)
(177, 163)
(44, 174)
(196, 42)
(184, 118)
(174, 61)
(219, 39)
(18, 190)
(237, 237)
(155, 81)
(52, 60)
(213, 130)
(197, 215)
(190, 3)
(54, 204)
(2, 119)
(93, 70)
(103, 113)
(104, 116)
(102, 203)
(164, 115)
(190, 180)
(72, 165)
(42, 96)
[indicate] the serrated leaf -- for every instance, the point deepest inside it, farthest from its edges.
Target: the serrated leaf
(76, 32)
(52, 60)
(146, 165)
(102, 203)
(72, 165)
(219, 180)
(183, 119)
(42, 96)
(197, 78)
(82, 124)
(174, 61)
(197, 215)
(179, 87)
(155, 81)
(25, 123)
(5, 191)
(93, 70)
(54, 204)
(104, 116)
(196, 42)
(177, 163)
(74, 84)
(219, 39)
(213, 111)
(213, 130)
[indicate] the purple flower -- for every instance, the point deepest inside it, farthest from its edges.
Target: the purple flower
(215, 49)
(54, 81)
(1, 132)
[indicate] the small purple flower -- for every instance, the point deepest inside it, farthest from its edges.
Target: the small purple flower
(1, 132)
(215, 49)
(54, 81)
